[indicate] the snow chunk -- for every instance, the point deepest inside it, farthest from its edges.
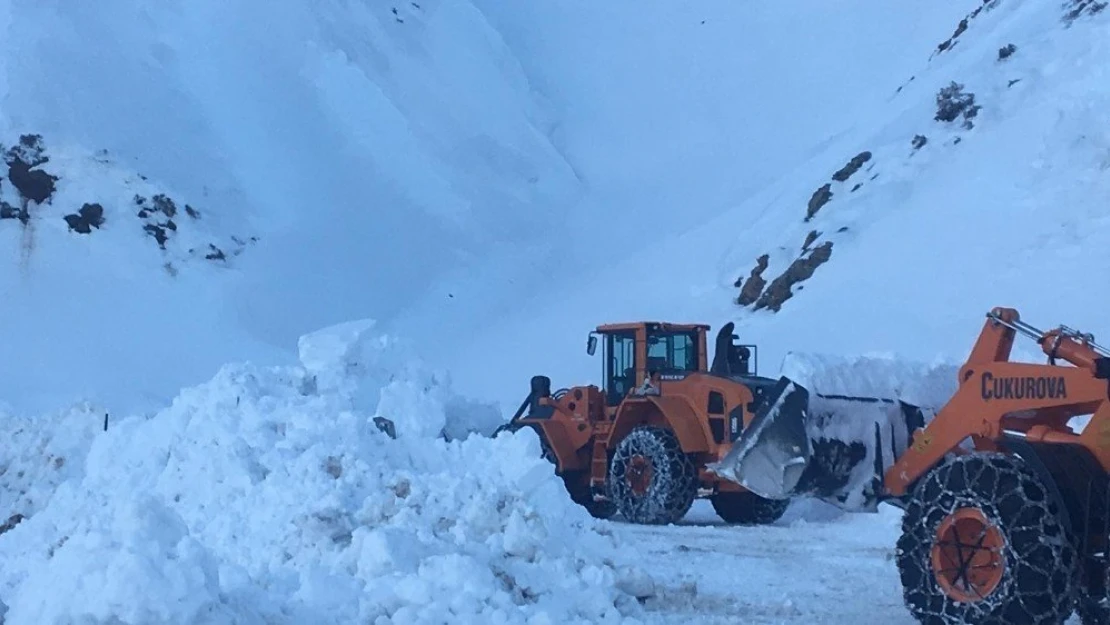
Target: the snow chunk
(330, 354)
(381, 374)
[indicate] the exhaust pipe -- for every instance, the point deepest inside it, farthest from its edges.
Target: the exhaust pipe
(541, 389)
(530, 407)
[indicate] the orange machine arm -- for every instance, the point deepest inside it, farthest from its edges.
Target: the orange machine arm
(1002, 388)
(997, 339)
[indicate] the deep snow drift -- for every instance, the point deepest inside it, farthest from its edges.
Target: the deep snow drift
(268, 495)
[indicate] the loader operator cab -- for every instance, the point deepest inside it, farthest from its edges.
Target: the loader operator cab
(636, 351)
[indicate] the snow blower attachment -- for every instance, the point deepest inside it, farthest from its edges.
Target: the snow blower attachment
(1007, 508)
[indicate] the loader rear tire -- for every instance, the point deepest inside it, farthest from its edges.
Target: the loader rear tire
(652, 480)
(1093, 610)
(747, 508)
(984, 542)
(1093, 605)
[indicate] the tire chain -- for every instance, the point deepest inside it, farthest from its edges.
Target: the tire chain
(673, 484)
(1041, 563)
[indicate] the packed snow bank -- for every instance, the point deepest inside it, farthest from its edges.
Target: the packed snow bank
(925, 384)
(268, 495)
(673, 109)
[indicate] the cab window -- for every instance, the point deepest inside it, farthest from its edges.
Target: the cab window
(672, 351)
(621, 366)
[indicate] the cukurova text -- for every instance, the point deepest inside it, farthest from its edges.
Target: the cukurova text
(1040, 387)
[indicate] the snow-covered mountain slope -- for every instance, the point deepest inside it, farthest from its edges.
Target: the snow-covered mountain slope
(359, 148)
(1003, 205)
(670, 113)
(110, 281)
(432, 164)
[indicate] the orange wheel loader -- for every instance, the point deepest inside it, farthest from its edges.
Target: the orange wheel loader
(1005, 505)
(639, 444)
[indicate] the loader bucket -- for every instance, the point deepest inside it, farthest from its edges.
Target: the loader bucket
(771, 455)
(832, 447)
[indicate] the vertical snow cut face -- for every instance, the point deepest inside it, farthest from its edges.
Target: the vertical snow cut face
(268, 495)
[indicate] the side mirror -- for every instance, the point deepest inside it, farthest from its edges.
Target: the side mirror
(591, 344)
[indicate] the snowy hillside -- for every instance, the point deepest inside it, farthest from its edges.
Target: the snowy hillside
(110, 280)
(919, 224)
(670, 114)
(375, 169)
(358, 150)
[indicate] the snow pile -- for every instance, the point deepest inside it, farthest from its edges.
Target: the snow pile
(35, 460)
(269, 495)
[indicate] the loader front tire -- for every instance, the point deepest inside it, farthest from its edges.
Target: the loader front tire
(983, 542)
(653, 482)
(747, 508)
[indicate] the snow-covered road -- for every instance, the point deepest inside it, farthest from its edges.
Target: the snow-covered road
(825, 568)
(815, 566)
